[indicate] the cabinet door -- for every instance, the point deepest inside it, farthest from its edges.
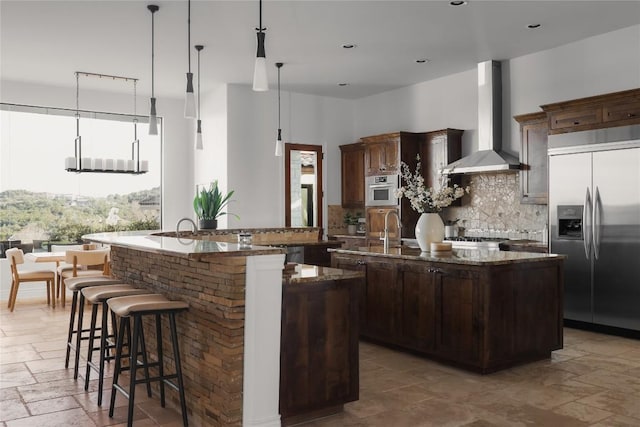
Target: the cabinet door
(575, 119)
(354, 262)
(375, 224)
(457, 317)
(440, 148)
(418, 306)
(391, 160)
(533, 157)
(628, 111)
(352, 176)
(374, 158)
(319, 346)
(381, 300)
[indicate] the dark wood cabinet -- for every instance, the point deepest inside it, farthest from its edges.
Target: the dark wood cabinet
(440, 148)
(319, 358)
(483, 318)
(594, 112)
(534, 179)
(457, 318)
(418, 303)
(381, 155)
(353, 191)
(381, 295)
(375, 225)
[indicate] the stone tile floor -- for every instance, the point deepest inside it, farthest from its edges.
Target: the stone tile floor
(593, 381)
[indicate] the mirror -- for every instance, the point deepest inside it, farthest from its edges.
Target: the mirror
(303, 185)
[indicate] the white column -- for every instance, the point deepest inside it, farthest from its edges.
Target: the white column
(263, 309)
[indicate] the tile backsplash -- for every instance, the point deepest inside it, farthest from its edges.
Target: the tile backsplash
(493, 209)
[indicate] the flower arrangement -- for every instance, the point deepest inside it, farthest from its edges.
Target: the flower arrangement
(423, 199)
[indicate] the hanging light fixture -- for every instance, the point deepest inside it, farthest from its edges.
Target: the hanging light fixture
(199, 145)
(260, 83)
(279, 138)
(190, 98)
(153, 119)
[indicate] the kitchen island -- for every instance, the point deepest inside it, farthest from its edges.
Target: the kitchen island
(483, 310)
(230, 336)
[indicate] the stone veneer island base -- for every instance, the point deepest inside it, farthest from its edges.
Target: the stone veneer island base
(230, 336)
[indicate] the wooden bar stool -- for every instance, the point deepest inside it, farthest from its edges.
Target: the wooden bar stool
(98, 296)
(136, 307)
(75, 284)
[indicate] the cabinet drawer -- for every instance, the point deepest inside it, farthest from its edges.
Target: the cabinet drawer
(627, 111)
(574, 118)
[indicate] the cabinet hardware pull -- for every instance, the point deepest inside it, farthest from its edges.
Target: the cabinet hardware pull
(361, 262)
(576, 123)
(631, 115)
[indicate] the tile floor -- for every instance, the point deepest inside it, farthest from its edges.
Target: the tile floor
(593, 381)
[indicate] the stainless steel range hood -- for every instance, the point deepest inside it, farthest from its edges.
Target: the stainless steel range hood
(489, 157)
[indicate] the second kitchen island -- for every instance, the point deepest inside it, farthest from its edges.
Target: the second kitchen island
(477, 309)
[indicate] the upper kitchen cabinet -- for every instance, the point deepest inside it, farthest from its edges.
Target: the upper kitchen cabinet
(533, 158)
(440, 148)
(595, 112)
(352, 175)
(383, 153)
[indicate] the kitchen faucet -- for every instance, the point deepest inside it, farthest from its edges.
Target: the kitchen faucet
(385, 238)
(195, 227)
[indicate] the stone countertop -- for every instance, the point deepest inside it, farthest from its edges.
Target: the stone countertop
(178, 246)
(348, 236)
(305, 273)
(480, 257)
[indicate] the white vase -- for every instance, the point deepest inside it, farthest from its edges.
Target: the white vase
(429, 229)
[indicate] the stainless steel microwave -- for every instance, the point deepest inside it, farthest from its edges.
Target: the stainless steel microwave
(381, 190)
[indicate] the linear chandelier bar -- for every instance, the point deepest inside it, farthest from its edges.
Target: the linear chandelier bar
(78, 163)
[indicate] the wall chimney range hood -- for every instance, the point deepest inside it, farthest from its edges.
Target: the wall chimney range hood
(489, 157)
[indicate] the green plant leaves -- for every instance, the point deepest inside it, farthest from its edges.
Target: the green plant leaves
(209, 203)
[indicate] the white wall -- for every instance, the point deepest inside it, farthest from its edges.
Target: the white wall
(177, 146)
(211, 163)
(256, 175)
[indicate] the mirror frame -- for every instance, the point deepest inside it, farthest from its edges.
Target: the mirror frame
(288, 147)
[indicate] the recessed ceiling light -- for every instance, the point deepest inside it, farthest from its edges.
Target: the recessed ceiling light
(533, 26)
(343, 84)
(348, 45)
(422, 61)
(457, 3)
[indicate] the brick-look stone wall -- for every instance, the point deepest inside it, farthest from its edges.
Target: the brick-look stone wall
(211, 332)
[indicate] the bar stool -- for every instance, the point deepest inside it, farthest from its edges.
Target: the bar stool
(136, 307)
(75, 284)
(98, 296)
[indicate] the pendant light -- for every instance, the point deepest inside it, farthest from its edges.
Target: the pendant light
(153, 119)
(279, 138)
(199, 145)
(190, 98)
(260, 83)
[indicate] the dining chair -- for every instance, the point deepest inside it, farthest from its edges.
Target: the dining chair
(89, 263)
(16, 257)
(62, 266)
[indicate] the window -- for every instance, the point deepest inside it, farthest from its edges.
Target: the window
(40, 200)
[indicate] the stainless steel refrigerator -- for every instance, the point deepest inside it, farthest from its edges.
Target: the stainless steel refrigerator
(594, 218)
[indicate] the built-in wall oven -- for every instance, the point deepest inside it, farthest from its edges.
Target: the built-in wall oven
(381, 190)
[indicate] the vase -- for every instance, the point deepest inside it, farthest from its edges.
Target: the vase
(429, 229)
(351, 229)
(208, 224)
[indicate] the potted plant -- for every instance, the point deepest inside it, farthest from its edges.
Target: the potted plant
(208, 205)
(352, 221)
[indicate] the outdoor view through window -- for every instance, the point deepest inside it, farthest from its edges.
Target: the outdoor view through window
(42, 203)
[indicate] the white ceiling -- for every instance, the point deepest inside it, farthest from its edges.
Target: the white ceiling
(46, 41)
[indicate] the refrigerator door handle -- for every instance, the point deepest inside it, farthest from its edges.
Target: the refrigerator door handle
(586, 224)
(597, 222)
